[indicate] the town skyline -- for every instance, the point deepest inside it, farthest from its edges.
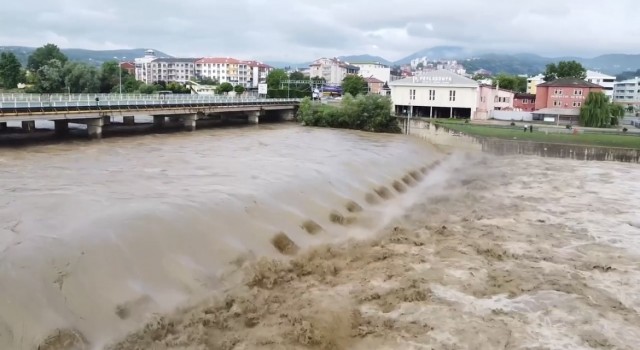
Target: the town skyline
(297, 32)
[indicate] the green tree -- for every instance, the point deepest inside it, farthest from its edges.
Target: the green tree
(50, 77)
(148, 89)
(319, 80)
(177, 88)
(80, 78)
(354, 85)
(224, 88)
(43, 55)
(617, 113)
(239, 89)
(630, 109)
(419, 66)
(10, 71)
(511, 82)
(275, 78)
(110, 77)
(207, 81)
(565, 69)
(297, 76)
(598, 112)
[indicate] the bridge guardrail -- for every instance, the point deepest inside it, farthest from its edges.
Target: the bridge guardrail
(143, 102)
(23, 97)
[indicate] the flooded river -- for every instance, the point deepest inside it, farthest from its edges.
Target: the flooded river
(283, 237)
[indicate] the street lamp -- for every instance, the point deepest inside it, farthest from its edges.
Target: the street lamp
(120, 69)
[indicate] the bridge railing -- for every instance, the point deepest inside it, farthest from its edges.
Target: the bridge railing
(22, 97)
(127, 103)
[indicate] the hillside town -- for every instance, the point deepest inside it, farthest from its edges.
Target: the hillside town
(424, 88)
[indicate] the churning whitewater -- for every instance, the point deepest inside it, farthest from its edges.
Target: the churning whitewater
(280, 237)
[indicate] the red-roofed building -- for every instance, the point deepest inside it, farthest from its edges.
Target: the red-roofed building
(562, 99)
(375, 85)
(524, 102)
(128, 67)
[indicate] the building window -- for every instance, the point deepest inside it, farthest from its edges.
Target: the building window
(557, 103)
(558, 92)
(452, 95)
(412, 94)
(577, 104)
(432, 95)
(577, 92)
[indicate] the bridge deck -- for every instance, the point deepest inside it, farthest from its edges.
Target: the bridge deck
(30, 104)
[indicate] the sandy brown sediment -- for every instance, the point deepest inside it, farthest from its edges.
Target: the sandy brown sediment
(284, 244)
(311, 227)
(372, 199)
(383, 192)
(353, 207)
(409, 181)
(450, 274)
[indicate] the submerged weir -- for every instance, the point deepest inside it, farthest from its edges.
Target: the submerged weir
(97, 238)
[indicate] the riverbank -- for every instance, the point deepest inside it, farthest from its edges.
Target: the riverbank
(534, 266)
(517, 133)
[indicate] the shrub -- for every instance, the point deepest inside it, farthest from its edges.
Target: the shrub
(365, 112)
(513, 124)
(625, 129)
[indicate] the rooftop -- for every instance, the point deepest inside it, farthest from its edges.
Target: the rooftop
(521, 95)
(570, 82)
(372, 80)
(436, 78)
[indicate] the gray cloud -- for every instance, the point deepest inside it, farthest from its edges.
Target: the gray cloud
(300, 30)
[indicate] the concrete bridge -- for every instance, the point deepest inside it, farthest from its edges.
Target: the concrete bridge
(96, 110)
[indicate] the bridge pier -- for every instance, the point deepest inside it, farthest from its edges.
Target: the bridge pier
(190, 122)
(129, 120)
(288, 115)
(106, 120)
(94, 127)
(28, 125)
(3, 126)
(254, 117)
(61, 127)
(158, 121)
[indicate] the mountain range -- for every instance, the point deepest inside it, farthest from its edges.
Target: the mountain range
(522, 63)
(95, 57)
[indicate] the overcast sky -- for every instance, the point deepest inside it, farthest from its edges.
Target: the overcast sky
(302, 30)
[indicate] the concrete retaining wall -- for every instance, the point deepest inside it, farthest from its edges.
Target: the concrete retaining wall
(579, 152)
(512, 115)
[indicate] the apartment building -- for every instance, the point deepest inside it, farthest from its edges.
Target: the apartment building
(606, 81)
(150, 69)
(376, 70)
(258, 73)
(532, 83)
(627, 92)
(491, 98)
(562, 99)
(332, 70)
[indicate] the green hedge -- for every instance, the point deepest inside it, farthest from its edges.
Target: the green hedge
(283, 93)
(368, 113)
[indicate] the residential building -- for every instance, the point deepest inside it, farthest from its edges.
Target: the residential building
(180, 70)
(374, 85)
(437, 94)
(532, 83)
(374, 69)
(223, 69)
(150, 69)
(128, 67)
(606, 81)
(562, 99)
(492, 99)
(627, 92)
(331, 69)
(258, 73)
(143, 67)
(523, 102)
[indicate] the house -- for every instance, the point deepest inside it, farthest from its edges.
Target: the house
(627, 92)
(374, 85)
(435, 94)
(331, 69)
(561, 99)
(606, 81)
(232, 70)
(374, 69)
(492, 99)
(523, 102)
(258, 73)
(128, 67)
(532, 83)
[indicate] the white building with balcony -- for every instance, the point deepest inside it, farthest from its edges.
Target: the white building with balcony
(627, 92)
(606, 81)
(375, 70)
(151, 69)
(436, 94)
(332, 70)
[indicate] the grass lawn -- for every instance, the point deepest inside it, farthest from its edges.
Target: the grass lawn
(510, 133)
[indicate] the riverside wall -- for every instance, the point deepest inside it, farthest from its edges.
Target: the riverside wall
(556, 150)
